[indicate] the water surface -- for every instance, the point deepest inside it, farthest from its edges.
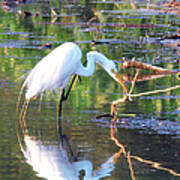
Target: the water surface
(148, 126)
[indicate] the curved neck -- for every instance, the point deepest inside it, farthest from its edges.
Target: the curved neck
(92, 57)
(89, 69)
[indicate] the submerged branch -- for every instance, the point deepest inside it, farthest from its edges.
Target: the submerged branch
(133, 83)
(156, 165)
(129, 96)
(156, 91)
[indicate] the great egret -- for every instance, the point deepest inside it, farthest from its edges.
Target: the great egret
(55, 69)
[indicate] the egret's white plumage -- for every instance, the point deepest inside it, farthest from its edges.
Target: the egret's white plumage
(56, 68)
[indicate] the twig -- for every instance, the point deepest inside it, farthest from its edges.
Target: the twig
(156, 91)
(133, 84)
(130, 166)
(121, 100)
(155, 165)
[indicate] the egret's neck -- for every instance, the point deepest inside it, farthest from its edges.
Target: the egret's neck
(89, 69)
(92, 57)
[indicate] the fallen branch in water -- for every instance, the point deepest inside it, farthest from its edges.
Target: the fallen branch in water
(139, 65)
(155, 165)
(133, 84)
(156, 91)
(125, 97)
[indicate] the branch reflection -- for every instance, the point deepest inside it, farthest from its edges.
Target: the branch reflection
(123, 151)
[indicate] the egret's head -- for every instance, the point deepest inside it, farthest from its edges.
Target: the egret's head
(107, 64)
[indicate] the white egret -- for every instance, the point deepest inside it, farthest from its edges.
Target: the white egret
(55, 69)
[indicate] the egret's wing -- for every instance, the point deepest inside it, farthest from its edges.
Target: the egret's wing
(53, 70)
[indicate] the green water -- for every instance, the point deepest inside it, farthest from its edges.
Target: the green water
(148, 126)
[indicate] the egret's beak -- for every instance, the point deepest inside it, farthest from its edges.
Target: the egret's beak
(116, 76)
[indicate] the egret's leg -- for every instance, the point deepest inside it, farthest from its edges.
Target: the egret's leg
(70, 87)
(65, 96)
(60, 103)
(65, 138)
(61, 135)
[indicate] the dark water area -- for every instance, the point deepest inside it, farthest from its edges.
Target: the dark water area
(142, 140)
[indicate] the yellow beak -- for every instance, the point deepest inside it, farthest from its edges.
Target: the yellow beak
(118, 79)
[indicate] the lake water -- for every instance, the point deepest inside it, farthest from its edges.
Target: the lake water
(141, 142)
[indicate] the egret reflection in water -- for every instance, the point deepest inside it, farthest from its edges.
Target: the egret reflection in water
(53, 161)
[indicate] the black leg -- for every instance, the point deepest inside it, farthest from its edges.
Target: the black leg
(65, 96)
(63, 138)
(59, 127)
(60, 103)
(70, 87)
